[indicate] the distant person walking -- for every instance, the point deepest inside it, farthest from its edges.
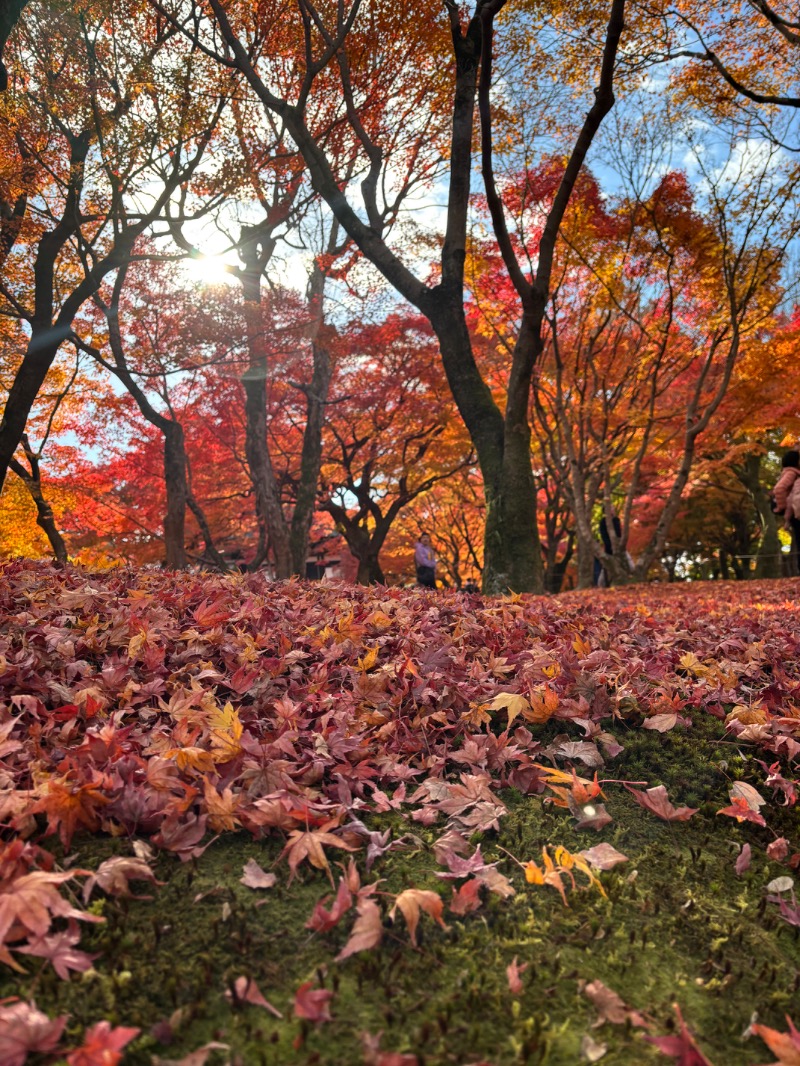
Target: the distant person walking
(786, 495)
(425, 562)
(602, 578)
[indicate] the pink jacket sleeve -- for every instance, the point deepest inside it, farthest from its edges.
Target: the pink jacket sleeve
(783, 487)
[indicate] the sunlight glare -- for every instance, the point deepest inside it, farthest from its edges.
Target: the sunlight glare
(208, 270)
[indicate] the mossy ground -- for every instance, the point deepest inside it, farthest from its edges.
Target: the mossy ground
(678, 926)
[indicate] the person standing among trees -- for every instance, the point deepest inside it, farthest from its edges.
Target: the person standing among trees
(785, 494)
(425, 562)
(602, 578)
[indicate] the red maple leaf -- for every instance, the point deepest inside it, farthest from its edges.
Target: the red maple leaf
(742, 812)
(681, 1047)
(657, 802)
(102, 1045)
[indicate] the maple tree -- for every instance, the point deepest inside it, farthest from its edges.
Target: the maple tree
(629, 373)
(88, 156)
(335, 58)
(392, 435)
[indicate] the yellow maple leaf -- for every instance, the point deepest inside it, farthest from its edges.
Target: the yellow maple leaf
(221, 808)
(191, 758)
(369, 659)
(226, 734)
(476, 716)
(747, 715)
(511, 702)
(581, 647)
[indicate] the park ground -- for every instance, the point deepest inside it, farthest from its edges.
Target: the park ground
(311, 823)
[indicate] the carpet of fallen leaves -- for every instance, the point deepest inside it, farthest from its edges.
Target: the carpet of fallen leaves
(244, 822)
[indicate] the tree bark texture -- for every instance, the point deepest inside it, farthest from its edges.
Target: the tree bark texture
(175, 484)
(273, 528)
(10, 11)
(768, 556)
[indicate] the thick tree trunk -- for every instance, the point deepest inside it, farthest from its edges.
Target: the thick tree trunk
(586, 557)
(369, 571)
(512, 551)
(364, 544)
(175, 484)
(10, 11)
(311, 457)
(29, 379)
(316, 398)
(768, 556)
(273, 527)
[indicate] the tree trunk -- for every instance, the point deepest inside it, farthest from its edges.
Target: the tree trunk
(369, 570)
(175, 484)
(617, 567)
(724, 572)
(512, 551)
(586, 557)
(210, 550)
(38, 359)
(316, 397)
(768, 556)
(311, 458)
(10, 11)
(269, 512)
(44, 514)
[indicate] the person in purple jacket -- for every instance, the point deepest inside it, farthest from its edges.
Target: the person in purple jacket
(425, 562)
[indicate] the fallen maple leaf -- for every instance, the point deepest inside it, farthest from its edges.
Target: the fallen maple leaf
(60, 951)
(25, 1029)
(102, 1045)
(255, 877)
(411, 902)
(313, 1003)
(742, 811)
(681, 1047)
(513, 703)
(309, 845)
(611, 1007)
(657, 802)
(751, 796)
(603, 856)
(514, 974)
(785, 1045)
(590, 815)
(592, 1050)
(114, 875)
(660, 722)
(743, 860)
(467, 899)
(367, 929)
(245, 990)
(778, 849)
(321, 921)
(30, 903)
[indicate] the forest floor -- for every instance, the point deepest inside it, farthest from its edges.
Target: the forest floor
(307, 823)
